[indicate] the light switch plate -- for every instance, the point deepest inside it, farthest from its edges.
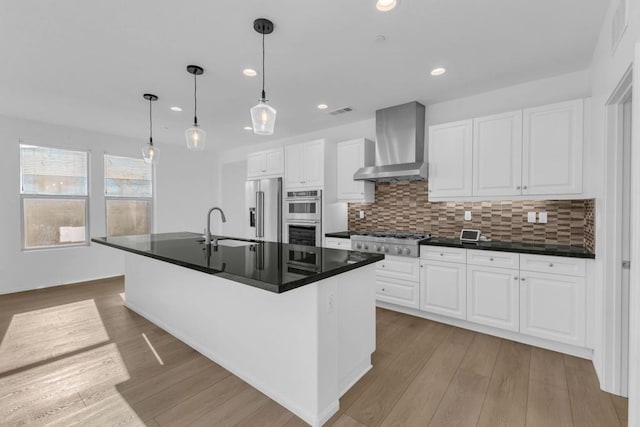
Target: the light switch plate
(467, 215)
(531, 217)
(542, 217)
(361, 214)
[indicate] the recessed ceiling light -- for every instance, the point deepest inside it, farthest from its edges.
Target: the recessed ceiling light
(438, 71)
(249, 72)
(247, 128)
(322, 106)
(386, 5)
(175, 108)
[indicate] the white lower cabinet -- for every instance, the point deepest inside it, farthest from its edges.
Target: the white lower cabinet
(552, 306)
(493, 297)
(443, 288)
(397, 291)
(337, 243)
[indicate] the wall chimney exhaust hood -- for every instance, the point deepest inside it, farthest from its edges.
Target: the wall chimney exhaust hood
(399, 145)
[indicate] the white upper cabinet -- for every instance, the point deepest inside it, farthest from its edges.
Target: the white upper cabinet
(304, 165)
(531, 152)
(450, 173)
(552, 149)
(264, 164)
(351, 156)
(497, 155)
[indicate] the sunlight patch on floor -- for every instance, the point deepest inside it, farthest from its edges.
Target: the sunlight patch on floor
(155, 353)
(39, 335)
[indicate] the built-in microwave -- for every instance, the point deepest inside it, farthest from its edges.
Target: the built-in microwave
(303, 205)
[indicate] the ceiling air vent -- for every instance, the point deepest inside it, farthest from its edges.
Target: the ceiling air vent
(340, 111)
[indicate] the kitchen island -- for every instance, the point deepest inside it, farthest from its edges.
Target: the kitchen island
(296, 322)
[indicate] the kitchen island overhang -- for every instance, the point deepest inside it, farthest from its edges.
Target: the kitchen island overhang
(303, 347)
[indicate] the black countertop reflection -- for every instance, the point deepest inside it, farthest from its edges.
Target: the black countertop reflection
(275, 267)
(340, 234)
(520, 247)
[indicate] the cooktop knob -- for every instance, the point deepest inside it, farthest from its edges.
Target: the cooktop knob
(407, 251)
(398, 250)
(366, 247)
(359, 245)
(376, 247)
(386, 248)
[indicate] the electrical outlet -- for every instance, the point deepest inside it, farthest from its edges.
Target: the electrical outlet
(361, 214)
(531, 217)
(467, 215)
(542, 217)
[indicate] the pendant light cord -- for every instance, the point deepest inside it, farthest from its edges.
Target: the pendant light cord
(195, 100)
(263, 94)
(150, 124)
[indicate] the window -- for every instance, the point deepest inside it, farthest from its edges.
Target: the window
(128, 188)
(54, 195)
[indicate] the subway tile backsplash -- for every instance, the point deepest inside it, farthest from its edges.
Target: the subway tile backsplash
(403, 206)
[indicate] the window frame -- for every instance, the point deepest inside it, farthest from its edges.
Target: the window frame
(24, 196)
(151, 199)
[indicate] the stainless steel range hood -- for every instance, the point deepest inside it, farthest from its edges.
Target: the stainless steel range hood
(399, 145)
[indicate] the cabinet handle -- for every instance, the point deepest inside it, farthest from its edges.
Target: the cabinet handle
(522, 278)
(421, 266)
(524, 188)
(264, 171)
(382, 265)
(518, 187)
(441, 254)
(550, 264)
(362, 194)
(490, 259)
(515, 277)
(383, 290)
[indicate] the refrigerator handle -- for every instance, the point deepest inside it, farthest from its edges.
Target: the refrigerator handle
(260, 214)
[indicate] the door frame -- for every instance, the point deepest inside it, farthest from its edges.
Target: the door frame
(634, 288)
(612, 338)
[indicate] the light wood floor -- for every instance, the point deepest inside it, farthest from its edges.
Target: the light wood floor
(74, 355)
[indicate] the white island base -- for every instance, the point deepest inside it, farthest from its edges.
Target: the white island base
(303, 348)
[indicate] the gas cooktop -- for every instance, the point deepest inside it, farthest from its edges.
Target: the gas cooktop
(389, 242)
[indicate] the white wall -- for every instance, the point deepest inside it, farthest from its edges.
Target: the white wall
(606, 71)
(232, 195)
(184, 187)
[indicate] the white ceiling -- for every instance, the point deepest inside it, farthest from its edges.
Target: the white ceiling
(86, 63)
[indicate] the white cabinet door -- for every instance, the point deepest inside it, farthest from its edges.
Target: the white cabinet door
(497, 155)
(351, 156)
(552, 149)
(443, 288)
(337, 243)
(493, 297)
(552, 306)
(274, 162)
(396, 291)
(313, 164)
(304, 165)
(405, 268)
(256, 165)
(264, 164)
(293, 166)
(450, 151)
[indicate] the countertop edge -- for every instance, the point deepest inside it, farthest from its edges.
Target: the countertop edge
(247, 281)
(532, 251)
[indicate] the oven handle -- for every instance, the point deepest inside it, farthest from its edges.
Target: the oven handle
(303, 199)
(302, 221)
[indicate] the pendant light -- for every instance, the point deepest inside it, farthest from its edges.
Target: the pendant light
(196, 136)
(149, 152)
(263, 115)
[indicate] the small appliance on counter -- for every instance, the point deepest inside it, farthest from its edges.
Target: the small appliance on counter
(391, 243)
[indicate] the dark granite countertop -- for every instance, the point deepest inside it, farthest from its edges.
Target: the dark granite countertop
(275, 267)
(520, 247)
(340, 234)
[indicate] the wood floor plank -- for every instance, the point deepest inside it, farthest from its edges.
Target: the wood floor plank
(462, 402)
(421, 398)
(197, 404)
(75, 379)
(506, 400)
(590, 406)
(271, 414)
(622, 408)
(375, 403)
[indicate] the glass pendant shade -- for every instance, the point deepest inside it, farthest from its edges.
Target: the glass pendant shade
(196, 138)
(263, 117)
(150, 154)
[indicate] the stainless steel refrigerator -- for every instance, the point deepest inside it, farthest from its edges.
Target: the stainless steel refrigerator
(263, 213)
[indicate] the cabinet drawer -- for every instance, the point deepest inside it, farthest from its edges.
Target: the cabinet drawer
(493, 258)
(440, 253)
(399, 268)
(401, 292)
(337, 243)
(553, 264)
